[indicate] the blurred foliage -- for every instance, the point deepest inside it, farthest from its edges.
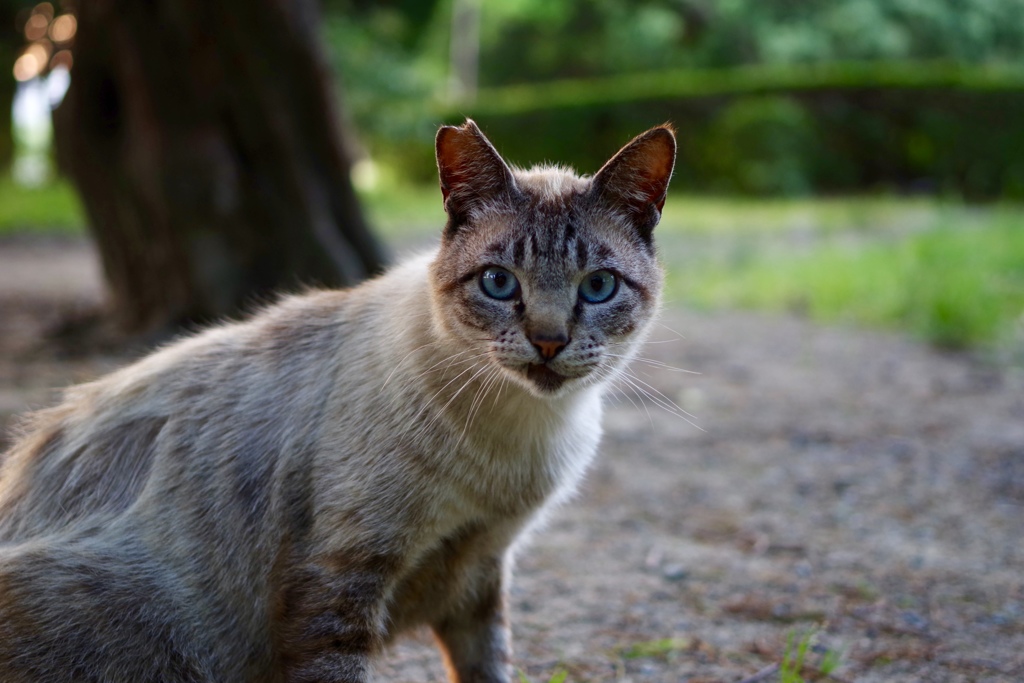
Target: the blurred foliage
(534, 39)
(770, 96)
(391, 60)
(956, 140)
(762, 146)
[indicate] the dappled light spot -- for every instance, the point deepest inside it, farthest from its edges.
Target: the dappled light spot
(27, 67)
(33, 61)
(45, 10)
(35, 27)
(63, 28)
(63, 59)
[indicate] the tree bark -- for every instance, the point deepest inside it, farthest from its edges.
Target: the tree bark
(10, 42)
(205, 140)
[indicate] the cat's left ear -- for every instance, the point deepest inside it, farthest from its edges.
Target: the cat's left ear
(636, 179)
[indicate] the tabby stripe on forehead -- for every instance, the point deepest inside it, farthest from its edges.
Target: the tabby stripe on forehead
(518, 251)
(582, 254)
(496, 251)
(570, 230)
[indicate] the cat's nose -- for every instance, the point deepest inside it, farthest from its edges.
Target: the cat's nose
(549, 345)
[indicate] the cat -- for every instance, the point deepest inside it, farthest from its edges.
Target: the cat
(276, 499)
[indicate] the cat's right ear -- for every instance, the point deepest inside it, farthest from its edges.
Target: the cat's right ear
(636, 179)
(471, 171)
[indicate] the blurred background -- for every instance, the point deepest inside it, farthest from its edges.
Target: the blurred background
(855, 161)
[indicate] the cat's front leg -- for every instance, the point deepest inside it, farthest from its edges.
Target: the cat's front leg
(475, 637)
(332, 618)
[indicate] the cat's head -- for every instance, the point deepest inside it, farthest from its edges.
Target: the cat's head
(551, 276)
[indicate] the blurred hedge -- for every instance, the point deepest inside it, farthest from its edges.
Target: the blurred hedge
(770, 130)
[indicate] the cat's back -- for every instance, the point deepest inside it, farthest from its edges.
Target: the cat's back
(219, 393)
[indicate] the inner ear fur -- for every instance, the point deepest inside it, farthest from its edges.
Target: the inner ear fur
(470, 170)
(636, 179)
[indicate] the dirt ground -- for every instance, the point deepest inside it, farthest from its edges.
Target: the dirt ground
(849, 482)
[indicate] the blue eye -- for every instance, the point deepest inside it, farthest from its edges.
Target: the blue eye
(599, 286)
(498, 283)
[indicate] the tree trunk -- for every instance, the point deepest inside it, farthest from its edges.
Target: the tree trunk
(10, 42)
(205, 140)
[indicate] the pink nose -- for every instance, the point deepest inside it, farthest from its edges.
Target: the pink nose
(549, 346)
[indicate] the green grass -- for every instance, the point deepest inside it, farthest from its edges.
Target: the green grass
(665, 647)
(748, 217)
(803, 655)
(794, 659)
(53, 208)
(557, 677)
(952, 276)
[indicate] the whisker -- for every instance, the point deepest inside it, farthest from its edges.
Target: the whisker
(618, 393)
(645, 342)
(663, 396)
(637, 393)
(681, 336)
(651, 361)
(481, 394)
(430, 401)
(454, 396)
(608, 374)
(404, 358)
(665, 403)
(451, 363)
(501, 388)
(629, 380)
(478, 401)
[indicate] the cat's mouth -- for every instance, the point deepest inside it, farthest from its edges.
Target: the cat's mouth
(545, 378)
